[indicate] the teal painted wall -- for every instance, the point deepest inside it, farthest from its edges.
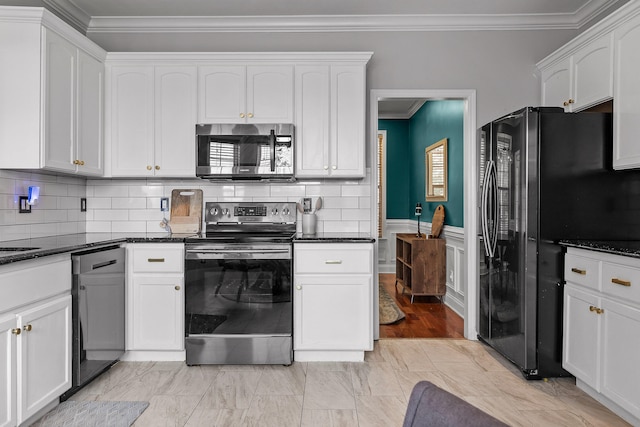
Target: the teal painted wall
(398, 144)
(405, 160)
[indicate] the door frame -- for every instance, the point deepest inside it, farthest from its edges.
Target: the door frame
(469, 193)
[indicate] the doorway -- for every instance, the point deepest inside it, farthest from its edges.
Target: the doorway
(385, 248)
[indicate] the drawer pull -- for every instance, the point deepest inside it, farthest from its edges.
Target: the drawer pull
(621, 282)
(155, 259)
(333, 261)
(579, 271)
(596, 309)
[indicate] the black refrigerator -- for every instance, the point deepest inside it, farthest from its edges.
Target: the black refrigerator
(532, 167)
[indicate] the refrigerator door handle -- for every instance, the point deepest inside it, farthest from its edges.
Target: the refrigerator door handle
(483, 209)
(494, 185)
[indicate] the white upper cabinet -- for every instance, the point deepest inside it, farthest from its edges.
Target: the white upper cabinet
(600, 64)
(626, 105)
(330, 120)
(245, 94)
(151, 120)
(90, 125)
(581, 80)
(52, 86)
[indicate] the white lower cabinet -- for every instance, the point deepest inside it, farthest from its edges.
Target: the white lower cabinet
(602, 328)
(333, 306)
(155, 308)
(35, 337)
(44, 355)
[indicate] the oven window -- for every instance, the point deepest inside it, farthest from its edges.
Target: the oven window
(247, 296)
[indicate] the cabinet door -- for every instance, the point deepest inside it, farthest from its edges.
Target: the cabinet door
(620, 355)
(157, 315)
(269, 94)
(89, 143)
(7, 372)
(222, 94)
(44, 355)
(131, 124)
(332, 312)
(581, 330)
(593, 73)
(59, 102)
(556, 85)
(626, 126)
(312, 121)
(347, 140)
(175, 120)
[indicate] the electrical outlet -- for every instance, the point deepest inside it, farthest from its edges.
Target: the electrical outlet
(164, 204)
(83, 204)
(24, 207)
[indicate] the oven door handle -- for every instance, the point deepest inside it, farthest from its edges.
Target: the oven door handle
(238, 254)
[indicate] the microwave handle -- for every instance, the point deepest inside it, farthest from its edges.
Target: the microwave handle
(272, 145)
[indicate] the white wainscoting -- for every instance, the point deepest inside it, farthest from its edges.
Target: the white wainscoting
(456, 259)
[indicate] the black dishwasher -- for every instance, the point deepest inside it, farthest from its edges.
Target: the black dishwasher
(98, 312)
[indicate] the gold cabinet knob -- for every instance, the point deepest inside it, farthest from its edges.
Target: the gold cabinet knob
(571, 101)
(16, 331)
(157, 167)
(177, 287)
(326, 167)
(27, 327)
(75, 162)
(81, 162)
(242, 115)
(334, 167)
(149, 167)
(298, 287)
(565, 103)
(250, 115)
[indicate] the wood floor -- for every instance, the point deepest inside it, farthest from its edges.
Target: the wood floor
(427, 317)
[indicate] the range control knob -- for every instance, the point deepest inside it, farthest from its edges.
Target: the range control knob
(274, 211)
(285, 211)
(225, 212)
(214, 211)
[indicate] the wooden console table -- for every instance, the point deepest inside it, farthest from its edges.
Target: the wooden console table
(421, 265)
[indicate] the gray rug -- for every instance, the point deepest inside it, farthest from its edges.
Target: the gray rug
(388, 309)
(92, 414)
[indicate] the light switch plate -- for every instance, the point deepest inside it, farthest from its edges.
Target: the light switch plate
(24, 206)
(164, 204)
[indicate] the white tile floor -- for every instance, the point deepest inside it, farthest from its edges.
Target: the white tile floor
(373, 393)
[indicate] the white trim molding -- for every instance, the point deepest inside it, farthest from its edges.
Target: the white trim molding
(350, 23)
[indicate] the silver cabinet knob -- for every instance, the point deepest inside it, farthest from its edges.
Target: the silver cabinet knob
(298, 287)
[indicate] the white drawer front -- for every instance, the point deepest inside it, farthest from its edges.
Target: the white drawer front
(621, 281)
(354, 259)
(582, 271)
(160, 259)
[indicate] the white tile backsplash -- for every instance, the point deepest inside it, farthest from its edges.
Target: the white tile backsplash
(133, 205)
(56, 212)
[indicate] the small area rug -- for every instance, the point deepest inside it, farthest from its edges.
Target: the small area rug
(92, 413)
(389, 310)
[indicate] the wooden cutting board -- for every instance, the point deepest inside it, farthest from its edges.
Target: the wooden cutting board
(437, 222)
(186, 211)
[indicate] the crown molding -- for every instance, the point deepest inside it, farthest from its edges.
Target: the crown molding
(71, 13)
(328, 23)
(405, 115)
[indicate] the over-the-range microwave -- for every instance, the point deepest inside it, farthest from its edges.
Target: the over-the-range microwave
(245, 152)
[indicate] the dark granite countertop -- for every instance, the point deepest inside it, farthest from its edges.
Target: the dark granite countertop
(333, 238)
(629, 248)
(14, 250)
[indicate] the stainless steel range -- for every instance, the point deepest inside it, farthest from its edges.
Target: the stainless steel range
(238, 285)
